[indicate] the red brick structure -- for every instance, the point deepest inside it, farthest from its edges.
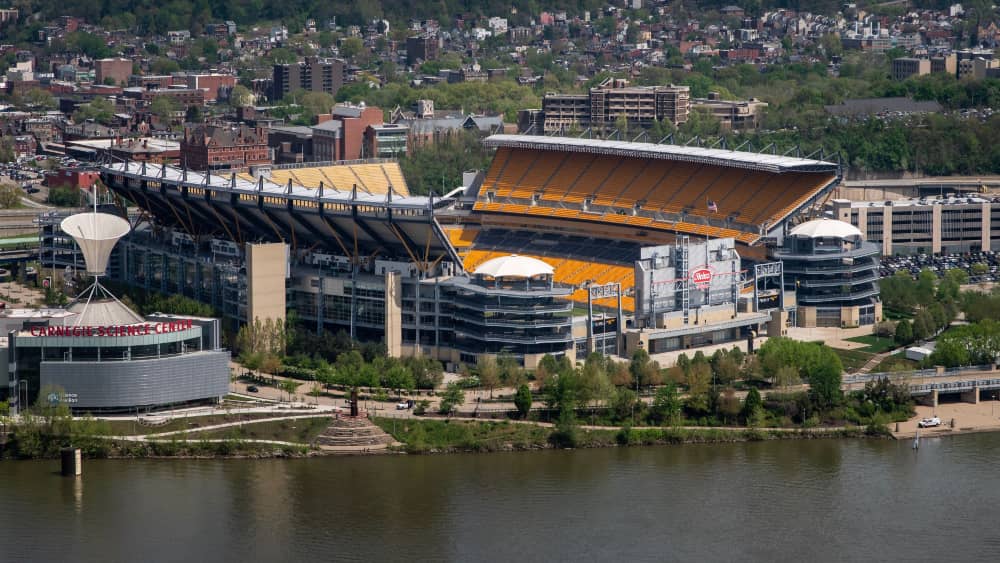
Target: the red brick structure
(70, 178)
(116, 69)
(184, 96)
(342, 135)
(215, 85)
(224, 147)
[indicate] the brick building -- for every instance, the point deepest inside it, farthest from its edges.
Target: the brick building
(116, 69)
(313, 75)
(72, 178)
(183, 96)
(421, 48)
(216, 86)
(342, 136)
(224, 147)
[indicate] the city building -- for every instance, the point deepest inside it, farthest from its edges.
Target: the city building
(291, 144)
(945, 63)
(926, 225)
(216, 86)
(833, 273)
(312, 75)
(732, 114)
(905, 67)
(613, 101)
(978, 68)
(386, 141)
(342, 136)
(224, 147)
(422, 48)
(97, 355)
(115, 71)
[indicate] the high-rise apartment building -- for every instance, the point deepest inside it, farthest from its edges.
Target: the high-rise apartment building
(313, 75)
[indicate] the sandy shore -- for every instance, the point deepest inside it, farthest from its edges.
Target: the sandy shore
(967, 418)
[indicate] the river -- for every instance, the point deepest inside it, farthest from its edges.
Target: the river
(820, 500)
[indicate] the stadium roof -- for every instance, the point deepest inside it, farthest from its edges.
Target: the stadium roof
(825, 228)
(514, 266)
(264, 186)
(719, 157)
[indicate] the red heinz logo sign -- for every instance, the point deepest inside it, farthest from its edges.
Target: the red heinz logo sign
(701, 277)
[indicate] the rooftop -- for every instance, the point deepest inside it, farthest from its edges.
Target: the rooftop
(825, 228)
(514, 266)
(719, 157)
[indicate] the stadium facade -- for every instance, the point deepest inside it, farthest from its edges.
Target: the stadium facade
(833, 272)
(347, 247)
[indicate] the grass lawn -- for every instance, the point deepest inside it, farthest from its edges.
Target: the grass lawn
(301, 430)
(423, 435)
(853, 360)
(130, 427)
(875, 345)
(896, 362)
(892, 315)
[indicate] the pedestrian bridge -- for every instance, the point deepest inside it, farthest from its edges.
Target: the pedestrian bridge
(969, 391)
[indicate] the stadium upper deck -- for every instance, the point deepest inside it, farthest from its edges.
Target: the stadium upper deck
(683, 190)
(369, 177)
(353, 222)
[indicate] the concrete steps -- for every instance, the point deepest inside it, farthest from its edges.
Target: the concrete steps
(347, 432)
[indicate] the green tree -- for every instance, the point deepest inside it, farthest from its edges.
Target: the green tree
(164, 107)
(100, 110)
(522, 400)
(240, 96)
(667, 405)
(825, 379)
(192, 114)
(452, 397)
(10, 196)
(289, 386)
(753, 407)
(488, 372)
(351, 47)
(904, 333)
(926, 282)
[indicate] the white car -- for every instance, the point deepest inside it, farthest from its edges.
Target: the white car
(404, 405)
(929, 422)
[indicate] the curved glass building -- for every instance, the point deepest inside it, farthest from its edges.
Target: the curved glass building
(833, 273)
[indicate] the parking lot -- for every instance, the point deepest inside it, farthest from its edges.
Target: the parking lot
(29, 174)
(981, 266)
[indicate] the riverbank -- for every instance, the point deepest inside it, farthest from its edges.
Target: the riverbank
(465, 436)
(956, 418)
(257, 440)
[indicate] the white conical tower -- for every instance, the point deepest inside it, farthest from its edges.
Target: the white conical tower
(96, 234)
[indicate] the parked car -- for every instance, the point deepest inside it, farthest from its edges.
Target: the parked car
(404, 405)
(252, 389)
(929, 422)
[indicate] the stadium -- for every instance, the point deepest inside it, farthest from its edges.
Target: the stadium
(580, 222)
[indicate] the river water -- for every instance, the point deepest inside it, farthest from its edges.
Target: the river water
(822, 500)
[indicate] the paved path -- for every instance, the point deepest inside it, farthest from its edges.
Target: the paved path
(158, 435)
(874, 361)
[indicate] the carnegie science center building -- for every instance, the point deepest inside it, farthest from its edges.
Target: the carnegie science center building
(98, 355)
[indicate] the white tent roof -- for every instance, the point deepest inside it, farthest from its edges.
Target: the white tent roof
(825, 228)
(103, 312)
(513, 266)
(96, 234)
